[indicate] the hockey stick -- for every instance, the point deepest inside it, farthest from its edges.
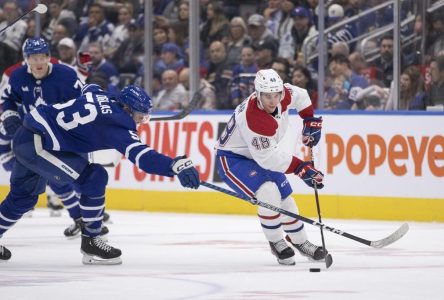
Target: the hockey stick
(328, 257)
(40, 8)
(186, 111)
(399, 233)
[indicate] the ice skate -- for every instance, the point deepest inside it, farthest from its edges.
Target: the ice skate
(5, 254)
(106, 217)
(74, 230)
(283, 252)
(97, 252)
(55, 208)
(309, 250)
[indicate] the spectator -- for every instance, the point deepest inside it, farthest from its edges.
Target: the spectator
(384, 65)
(294, 41)
(237, 40)
(286, 22)
(282, 67)
(58, 34)
(340, 48)
(259, 33)
(170, 59)
(220, 74)
(101, 66)
(58, 15)
(120, 33)
(358, 63)
(353, 83)
(436, 36)
(244, 73)
(11, 39)
(96, 29)
(346, 33)
(265, 52)
(274, 16)
(180, 27)
(206, 91)
(216, 28)
(435, 95)
(173, 94)
(411, 94)
(67, 53)
(301, 77)
(129, 55)
(160, 37)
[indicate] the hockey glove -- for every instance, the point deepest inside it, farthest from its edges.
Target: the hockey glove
(10, 123)
(187, 173)
(311, 133)
(310, 175)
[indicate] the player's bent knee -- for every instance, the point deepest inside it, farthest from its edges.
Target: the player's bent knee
(269, 193)
(93, 180)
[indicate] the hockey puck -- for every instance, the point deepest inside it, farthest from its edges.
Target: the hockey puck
(315, 270)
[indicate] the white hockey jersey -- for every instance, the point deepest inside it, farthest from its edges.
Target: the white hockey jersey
(255, 134)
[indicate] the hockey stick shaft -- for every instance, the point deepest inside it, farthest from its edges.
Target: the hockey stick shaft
(376, 244)
(36, 8)
(318, 206)
(186, 111)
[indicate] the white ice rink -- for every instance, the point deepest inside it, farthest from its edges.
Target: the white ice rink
(175, 256)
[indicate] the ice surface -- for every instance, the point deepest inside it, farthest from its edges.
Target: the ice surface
(188, 256)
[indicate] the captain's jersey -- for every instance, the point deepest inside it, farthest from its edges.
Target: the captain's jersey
(24, 92)
(255, 134)
(94, 122)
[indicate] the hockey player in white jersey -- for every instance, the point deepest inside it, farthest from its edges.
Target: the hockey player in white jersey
(251, 161)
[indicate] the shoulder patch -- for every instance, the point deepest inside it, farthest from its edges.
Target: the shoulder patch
(259, 121)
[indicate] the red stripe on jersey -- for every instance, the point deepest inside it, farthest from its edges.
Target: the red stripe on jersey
(307, 112)
(269, 217)
(286, 100)
(295, 162)
(233, 178)
(259, 121)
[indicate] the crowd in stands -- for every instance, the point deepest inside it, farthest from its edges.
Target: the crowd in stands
(235, 44)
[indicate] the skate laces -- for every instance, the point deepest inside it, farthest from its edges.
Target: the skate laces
(280, 245)
(307, 248)
(101, 244)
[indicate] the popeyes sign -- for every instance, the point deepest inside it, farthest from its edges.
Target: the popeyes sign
(366, 155)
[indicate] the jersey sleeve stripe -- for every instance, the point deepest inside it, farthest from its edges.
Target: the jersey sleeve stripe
(130, 147)
(55, 143)
(140, 154)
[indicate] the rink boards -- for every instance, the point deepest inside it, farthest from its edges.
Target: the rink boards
(376, 166)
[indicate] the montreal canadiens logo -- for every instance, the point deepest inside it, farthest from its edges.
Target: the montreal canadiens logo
(252, 173)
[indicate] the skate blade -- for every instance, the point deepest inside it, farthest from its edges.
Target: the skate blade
(287, 261)
(95, 260)
(73, 237)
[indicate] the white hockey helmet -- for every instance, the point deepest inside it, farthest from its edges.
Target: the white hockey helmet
(268, 81)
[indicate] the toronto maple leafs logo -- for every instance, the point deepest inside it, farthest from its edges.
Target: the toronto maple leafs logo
(38, 96)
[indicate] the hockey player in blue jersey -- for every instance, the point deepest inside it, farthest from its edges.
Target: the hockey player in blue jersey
(36, 83)
(47, 148)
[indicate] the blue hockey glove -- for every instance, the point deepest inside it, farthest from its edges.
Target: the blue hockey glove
(311, 133)
(10, 123)
(187, 173)
(310, 175)
(7, 160)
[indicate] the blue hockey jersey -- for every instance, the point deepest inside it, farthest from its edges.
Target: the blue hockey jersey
(93, 122)
(24, 92)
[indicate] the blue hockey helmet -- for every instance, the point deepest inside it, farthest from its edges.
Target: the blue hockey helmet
(137, 100)
(35, 46)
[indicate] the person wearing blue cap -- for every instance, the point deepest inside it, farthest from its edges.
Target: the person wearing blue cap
(293, 43)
